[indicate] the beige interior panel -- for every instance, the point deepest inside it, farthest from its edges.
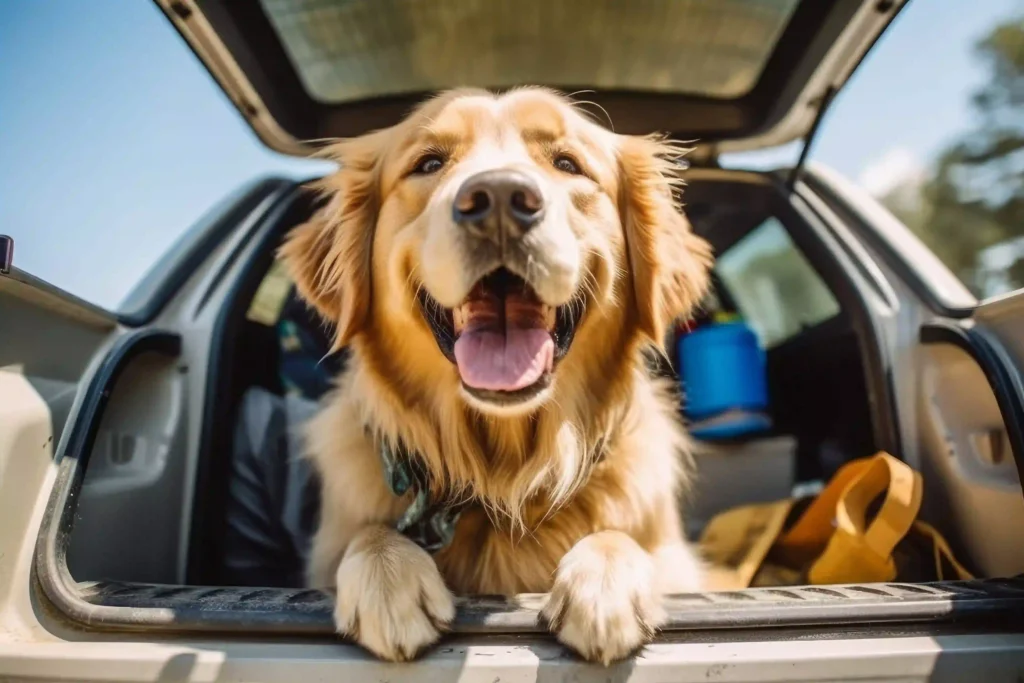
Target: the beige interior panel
(972, 490)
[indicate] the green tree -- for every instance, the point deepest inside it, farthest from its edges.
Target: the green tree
(975, 197)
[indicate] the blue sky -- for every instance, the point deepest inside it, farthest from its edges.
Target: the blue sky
(113, 139)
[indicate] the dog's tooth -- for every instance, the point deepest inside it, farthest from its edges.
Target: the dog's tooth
(458, 319)
(549, 317)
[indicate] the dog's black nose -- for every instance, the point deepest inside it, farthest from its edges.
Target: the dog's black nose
(499, 203)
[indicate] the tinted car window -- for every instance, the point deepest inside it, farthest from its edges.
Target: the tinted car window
(773, 285)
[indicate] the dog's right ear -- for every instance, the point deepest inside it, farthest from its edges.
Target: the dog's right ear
(329, 257)
(669, 264)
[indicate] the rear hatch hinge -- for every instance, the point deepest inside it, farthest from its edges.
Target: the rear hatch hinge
(6, 254)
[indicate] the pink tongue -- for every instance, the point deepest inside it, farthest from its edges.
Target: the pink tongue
(503, 362)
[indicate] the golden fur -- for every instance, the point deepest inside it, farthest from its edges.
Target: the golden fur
(575, 495)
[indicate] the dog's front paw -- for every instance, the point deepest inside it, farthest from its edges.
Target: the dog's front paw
(604, 604)
(391, 597)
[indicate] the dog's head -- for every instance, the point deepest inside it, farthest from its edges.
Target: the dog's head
(479, 243)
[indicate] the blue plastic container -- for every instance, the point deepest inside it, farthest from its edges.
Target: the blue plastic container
(724, 376)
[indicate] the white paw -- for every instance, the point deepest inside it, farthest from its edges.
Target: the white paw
(391, 597)
(604, 603)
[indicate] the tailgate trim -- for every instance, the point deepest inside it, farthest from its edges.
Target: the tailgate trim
(111, 606)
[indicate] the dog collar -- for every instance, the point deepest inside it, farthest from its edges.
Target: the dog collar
(428, 523)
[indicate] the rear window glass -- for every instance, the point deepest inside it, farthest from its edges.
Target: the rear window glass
(774, 286)
(345, 51)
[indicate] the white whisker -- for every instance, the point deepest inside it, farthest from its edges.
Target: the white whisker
(604, 111)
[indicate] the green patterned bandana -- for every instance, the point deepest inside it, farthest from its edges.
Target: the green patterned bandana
(429, 524)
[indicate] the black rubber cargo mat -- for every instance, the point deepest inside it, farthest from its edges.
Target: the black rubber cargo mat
(288, 611)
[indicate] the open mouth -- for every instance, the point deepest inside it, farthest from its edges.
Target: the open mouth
(503, 339)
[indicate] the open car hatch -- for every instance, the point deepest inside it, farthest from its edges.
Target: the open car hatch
(730, 74)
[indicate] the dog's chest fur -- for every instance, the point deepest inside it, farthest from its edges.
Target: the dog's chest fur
(489, 558)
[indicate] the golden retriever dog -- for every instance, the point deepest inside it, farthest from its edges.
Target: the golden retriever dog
(498, 266)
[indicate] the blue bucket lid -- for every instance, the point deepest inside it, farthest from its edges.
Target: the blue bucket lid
(731, 425)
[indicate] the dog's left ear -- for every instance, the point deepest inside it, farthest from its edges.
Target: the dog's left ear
(669, 264)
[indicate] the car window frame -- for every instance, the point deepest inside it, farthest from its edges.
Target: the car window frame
(910, 259)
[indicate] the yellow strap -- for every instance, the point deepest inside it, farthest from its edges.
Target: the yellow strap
(809, 534)
(736, 542)
(859, 552)
(942, 552)
(832, 537)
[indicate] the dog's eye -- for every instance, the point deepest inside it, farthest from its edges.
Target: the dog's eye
(566, 164)
(431, 163)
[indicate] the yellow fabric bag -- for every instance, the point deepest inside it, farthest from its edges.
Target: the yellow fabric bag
(837, 538)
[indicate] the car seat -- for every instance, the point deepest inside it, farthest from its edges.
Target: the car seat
(272, 493)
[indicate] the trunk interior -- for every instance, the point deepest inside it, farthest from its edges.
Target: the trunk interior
(234, 513)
